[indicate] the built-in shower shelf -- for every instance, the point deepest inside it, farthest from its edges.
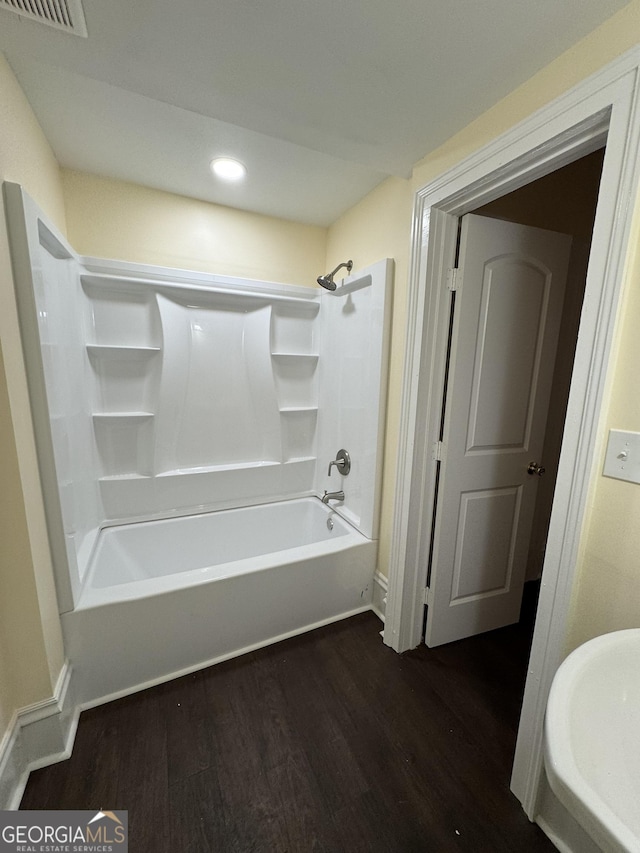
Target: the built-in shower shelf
(209, 469)
(207, 290)
(124, 478)
(121, 417)
(121, 353)
(312, 356)
(292, 410)
(97, 283)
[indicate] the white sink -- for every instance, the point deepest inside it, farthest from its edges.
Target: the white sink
(592, 739)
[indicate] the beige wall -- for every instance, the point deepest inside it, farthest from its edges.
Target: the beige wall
(23, 663)
(30, 640)
(608, 590)
(115, 219)
(607, 595)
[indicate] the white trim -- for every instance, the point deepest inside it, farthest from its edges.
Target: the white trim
(568, 128)
(12, 766)
(379, 599)
(38, 735)
(47, 707)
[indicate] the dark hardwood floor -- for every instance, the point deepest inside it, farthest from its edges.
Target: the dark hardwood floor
(325, 742)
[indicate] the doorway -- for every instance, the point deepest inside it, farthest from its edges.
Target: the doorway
(604, 109)
(491, 516)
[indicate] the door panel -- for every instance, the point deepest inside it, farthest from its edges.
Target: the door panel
(505, 332)
(486, 525)
(510, 333)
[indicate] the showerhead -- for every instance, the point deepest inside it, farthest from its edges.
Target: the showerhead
(327, 281)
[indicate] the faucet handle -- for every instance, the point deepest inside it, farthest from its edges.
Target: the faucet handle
(342, 462)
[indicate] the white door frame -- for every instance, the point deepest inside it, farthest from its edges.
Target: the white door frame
(602, 108)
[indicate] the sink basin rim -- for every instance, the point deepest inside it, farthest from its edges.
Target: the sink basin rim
(566, 779)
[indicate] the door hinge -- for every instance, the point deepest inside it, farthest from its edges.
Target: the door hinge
(452, 278)
(438, 451)
(427, 596)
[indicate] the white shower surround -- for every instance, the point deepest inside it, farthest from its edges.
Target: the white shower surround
(161, 393)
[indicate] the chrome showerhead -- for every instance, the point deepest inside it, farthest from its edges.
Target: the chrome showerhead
(327, 281)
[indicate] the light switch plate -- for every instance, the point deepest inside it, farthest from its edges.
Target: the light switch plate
(622, 460)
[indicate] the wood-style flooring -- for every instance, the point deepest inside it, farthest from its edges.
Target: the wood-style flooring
(326, 742)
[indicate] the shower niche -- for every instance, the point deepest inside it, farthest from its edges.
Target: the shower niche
(123, 347)
(294, 359)
(160, 392)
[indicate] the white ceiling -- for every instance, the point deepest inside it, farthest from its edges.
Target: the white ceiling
(321, 99)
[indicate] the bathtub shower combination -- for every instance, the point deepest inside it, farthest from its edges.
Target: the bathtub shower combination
(185, 426)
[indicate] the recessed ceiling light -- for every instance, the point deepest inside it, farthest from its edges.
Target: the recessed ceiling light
(228, 169)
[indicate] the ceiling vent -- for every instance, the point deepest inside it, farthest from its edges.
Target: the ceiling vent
(66, 15)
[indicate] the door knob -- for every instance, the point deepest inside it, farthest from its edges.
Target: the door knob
(534, 468)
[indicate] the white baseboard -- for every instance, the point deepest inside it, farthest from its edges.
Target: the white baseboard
(38, 735)
(379, 602)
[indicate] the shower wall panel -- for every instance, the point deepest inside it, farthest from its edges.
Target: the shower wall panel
(196, 387)
(50, 306)
(217, 404)
(355, 332)
(65, 373)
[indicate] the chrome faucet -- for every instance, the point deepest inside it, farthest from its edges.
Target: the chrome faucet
(332, 496)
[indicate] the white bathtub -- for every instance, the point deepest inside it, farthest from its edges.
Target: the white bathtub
(163, 598)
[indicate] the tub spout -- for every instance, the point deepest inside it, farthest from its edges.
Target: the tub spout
(332, 496)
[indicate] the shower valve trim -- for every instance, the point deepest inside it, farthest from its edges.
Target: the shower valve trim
(342, 462)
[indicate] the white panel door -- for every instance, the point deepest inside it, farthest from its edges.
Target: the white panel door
(508, 305)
